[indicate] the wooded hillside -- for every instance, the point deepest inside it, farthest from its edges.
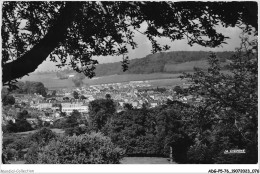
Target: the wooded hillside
(176, 61)
(164, 62)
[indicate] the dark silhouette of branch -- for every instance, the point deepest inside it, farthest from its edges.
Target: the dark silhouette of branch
(32, 59)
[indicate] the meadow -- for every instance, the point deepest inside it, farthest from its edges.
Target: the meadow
(186, 66)
(169, 77)
(156, 79)
(144, 160)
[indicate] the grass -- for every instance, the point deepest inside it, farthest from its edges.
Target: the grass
(58, 131)
(169, 78)
(16, 162)
(145, 160)
(157, 79)
(166, 82)
(186, 66)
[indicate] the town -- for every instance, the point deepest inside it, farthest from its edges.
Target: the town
(61, 103)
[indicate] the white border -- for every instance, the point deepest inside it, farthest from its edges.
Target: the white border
(121, 168)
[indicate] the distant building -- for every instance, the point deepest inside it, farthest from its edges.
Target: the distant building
(68, 108)
(154, 104)
(121, 103)
(41, 106)
(134, 104)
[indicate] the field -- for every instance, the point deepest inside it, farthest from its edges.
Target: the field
(170, 77)
(186, 66)
(157, 79)
(24, 134)
(145, 160)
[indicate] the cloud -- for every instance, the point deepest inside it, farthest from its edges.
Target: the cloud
(144, 47)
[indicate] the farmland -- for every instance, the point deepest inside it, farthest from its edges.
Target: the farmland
(156, 79)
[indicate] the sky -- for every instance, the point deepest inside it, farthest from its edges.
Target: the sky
(144, 47)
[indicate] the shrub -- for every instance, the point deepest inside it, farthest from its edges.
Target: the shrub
(199, 154)
(32, 154)
(39, 139)
(91, 148)
(10, 153)
(42, 136)
(78, 130)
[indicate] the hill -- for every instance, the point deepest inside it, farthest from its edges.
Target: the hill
(165, 62)
(161, 69)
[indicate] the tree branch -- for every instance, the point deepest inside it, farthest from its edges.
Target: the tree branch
(32, 59)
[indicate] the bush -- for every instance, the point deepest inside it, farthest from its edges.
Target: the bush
(32, 154)
(23, 126)
(18, 145)
(76, 130)
(42, 136)
(60, 124)
(8, 100)
(10, 153)
(91, 148)
(199, 154)
(39, 139)
(8, 140)
(20, 124)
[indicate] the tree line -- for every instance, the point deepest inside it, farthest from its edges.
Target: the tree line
(28, 87)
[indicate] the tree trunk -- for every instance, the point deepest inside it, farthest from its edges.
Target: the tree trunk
(171, 159)
(33, 58)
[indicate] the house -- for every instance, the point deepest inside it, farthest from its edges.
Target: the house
(41, 106)
(134, 104)
(121, 103)
(154, 104)
(69, 107)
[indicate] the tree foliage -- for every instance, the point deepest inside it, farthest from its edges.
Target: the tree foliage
(82, 97)
(75, 94)
(38, 140)
(28, 145)
(77, 130)
(100, 112)
(30, 87)
(25, 148)
(151, 132)
(46, 147)
(225, 119)
(70, 121)
(14, 149)
(78, 79)
(83, 149)
(72, 32)
(42, 136)
(20, 124)
(228, 117)
(8, 100)
(178, 90)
